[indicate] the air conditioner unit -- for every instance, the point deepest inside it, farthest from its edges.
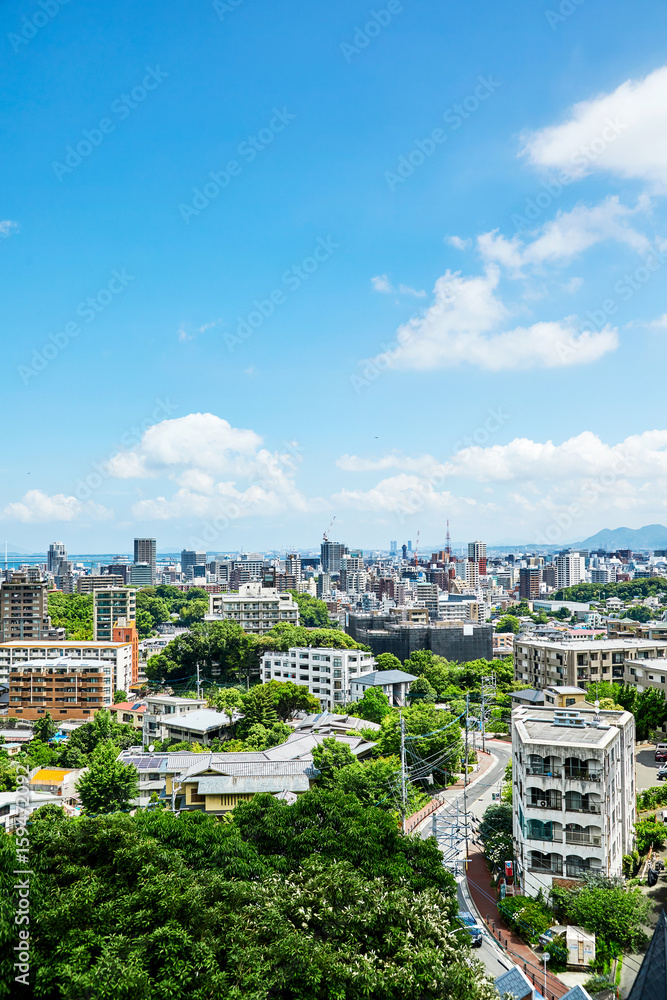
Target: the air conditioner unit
(543, 803)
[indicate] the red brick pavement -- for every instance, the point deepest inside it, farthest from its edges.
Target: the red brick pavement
(484, 897)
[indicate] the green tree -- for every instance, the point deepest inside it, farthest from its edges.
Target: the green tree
(432, 735)
(640, 613)
(119, 696)
(650, 711)
(45, 728)
(329, 757)
(154, 606)
(40, 754)
(422, 690)
(259, 707)
(193, 611)
(225, 699)
(291, 698)
(73, 612)
(144, 624)
(508, 623)
(313, 613)
(108, 785)
(606, 907)
(387, 661)
(284, 636)
(372, 707)
(650, 834)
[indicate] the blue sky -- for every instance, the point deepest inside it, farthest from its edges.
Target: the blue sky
(387, 307)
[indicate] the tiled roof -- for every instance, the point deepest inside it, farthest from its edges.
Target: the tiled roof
(651, 981)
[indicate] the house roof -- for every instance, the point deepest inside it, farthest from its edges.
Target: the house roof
(129, 706)
(379, 677)
(651, 981)
(331, 720)
(199, 721)
(530, 696)
(514, 982)
(51, 774)
(576, 993)
(252, 783)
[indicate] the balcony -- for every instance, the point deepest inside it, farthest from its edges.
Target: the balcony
(582, 774)
(594, 809)
(545, 770)
(593, 840)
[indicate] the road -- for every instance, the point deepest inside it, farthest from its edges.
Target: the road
(646, 767)
(478, 798)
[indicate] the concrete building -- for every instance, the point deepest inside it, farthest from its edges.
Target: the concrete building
(570, 569)
(201, 726)
(576, 662)
(24, 609)
(395, 684)
(190, 559)
(574, 793)
(477, 554)
(331, 556)
(327, 673)
(160, 706)
(257, 609)
(141, 575)
(89, 584)
(529, 582)
(453, 641)
(145, 551)
(67, 688)
(117, 655)
(646, 673)
(57, 553)
(111, 604)
(130, 713)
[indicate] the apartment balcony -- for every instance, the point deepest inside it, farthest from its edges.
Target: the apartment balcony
(544, 770)
(594, 810)
(590, 839)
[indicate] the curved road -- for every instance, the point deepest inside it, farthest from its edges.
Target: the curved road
(478, 797)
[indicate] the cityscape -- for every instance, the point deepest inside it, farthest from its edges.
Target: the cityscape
(333, 500)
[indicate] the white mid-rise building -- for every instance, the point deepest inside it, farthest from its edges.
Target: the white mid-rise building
(573, 793)
(118, 655)
(327, 673)
(257, 609)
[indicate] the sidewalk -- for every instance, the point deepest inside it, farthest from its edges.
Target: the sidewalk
(484, 897)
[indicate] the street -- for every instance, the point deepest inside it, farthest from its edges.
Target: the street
(478, 797)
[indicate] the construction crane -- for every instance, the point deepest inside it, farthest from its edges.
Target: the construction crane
(326, 533)
(417, 550)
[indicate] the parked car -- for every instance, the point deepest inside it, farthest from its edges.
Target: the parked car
(474, 930)
(661, 754)
(662, 773)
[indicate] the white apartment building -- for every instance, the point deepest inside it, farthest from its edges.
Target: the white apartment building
(570, 570)
(327, 673)
(257, 609)
(117, 655)
(545, 662)
(574, 793)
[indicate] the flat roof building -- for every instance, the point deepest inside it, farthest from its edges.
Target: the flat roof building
(257, 609)
(577, 662)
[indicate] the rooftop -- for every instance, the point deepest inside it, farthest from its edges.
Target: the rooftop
(384, 677)
(586, 644)
(200, 721)
(537, 725)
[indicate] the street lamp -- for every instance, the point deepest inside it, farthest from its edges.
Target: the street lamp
(546, 956)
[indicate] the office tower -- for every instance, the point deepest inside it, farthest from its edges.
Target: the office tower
(472, 573)
(56, 554)
(569, 569)
(293, 566)
(404, 550)
(145, 551)
(25, 613)
(393, 548)
(529, 582)
(331, 556)
(477, 552)
(190, 559)
(141, 575)
(409, 545)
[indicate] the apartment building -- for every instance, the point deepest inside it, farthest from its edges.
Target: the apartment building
(116, 655)
(110, 604)
(574, 794)
(145, 551)
(67, 688)
(646, 673)
(327, 673)
(24, 608)
(570, 569)
(89, 584)
(576, 662)
(530, 578)
(257, 609)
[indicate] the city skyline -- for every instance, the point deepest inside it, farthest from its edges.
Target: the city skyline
(458, 250)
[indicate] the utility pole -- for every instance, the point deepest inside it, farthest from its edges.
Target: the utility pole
(404, 794)
(198, 685)
(465, 782)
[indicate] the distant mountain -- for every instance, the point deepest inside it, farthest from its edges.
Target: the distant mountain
(651, 536)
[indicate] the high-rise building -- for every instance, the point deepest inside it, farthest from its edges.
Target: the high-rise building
(190, 559)
(331, 556)
(88, 584)
(293, 566)
(393, 548)
(145, 551)
(110, 605)
(56, 554)
(477, 553)
(404, 550)
(472, 572)
(569, 569)
(141, 575)
(24, 609)
(529, 582)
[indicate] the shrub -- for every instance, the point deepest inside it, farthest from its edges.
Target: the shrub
(527, 916)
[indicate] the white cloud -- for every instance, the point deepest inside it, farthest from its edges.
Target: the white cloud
(660, 323)
(458, 243)
(37, 507)
(381, 283)
(623, 132)
(424, 464)
(403, 495)
(464, 326)
(569, 234)
(7, 227)
(198, 440)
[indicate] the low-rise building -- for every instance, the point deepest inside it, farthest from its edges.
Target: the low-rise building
(395, 684)
(159, 706)
(577, 662)
(57, 781)
(574, 793)
(130, 713)
(202, 726)
(115, 654)
(257, 609)
(326, 672)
